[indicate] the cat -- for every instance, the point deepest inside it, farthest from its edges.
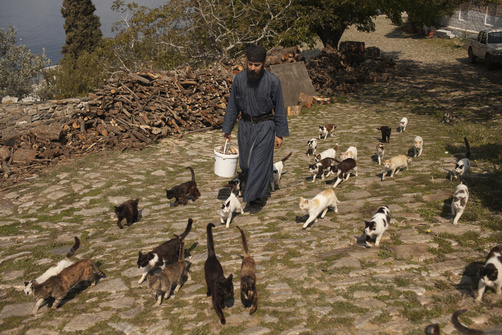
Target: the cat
(319, 205)
(351, 152)
(331, 152)
(402, 124)
(239, 182)
(491, 274)
(58, 286)
(418, 146)
(386, 131)
(127, 210)
(163, 254)
(249, 294)
(277, 173)
(161, 283)
(497, 330)
(326, 130)
(219, 288)
(321, 166)
(380, 149)
(52, 271)
(311, 146)
(231, 205)
(464, 165)
(377, 225)
(460, 198)
(343, 170)
(395, 164)
(182, 190)
(447, 117)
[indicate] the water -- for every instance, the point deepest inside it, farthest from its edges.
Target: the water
(39, 23)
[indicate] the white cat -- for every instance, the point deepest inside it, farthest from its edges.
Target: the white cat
(231, 205)
(418, 145)
(380, 149)
(277, 173)
(464, 165)
(491, 274)
(395, 164)
(351, 152)
(403, 123)
(331, 153)
(319, 205)
(378, 225)
(459, 202)
(52, 271)
(311, 146)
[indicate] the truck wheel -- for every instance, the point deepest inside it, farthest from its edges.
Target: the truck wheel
(472, 58)
(488, 61)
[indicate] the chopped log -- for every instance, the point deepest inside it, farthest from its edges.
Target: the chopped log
(24, 156)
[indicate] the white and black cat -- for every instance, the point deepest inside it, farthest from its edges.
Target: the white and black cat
(377, 225)
(464, 165)
(162, 255)
(54, 270)
(231, 205)
(459, 202)
(239, 182)
(219, 288)
(319, 205)
(491, 274)
(319, 168)
(277, 173)
(311, 146)
(343, 169)
(326, 130)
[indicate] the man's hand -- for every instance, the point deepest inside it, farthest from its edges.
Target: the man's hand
(227, 137)
(278, 142)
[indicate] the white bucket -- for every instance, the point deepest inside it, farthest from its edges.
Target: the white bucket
(225, 165)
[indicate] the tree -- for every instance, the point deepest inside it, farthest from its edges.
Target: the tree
(82, 28)
(18, 66)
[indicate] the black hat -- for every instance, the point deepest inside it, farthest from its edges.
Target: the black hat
(256, 53)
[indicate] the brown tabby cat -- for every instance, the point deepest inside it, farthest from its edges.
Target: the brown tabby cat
(181, 191)
(128, 210)
(59, 285)
(161, 283)
(249, 294)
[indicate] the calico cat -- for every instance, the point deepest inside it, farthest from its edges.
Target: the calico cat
(239, 182)
(377, 225)
(278, 167)
(219, 288)
(464, 165)
(163, 254)
(402, 124)
(418, 146)
(182, 190)
(52, 271)
(343, 170)
(331, 152)
(249, 294)
(386, 131)
(311, 146)
(231, 205)
(128, 210)
(460, 198)
(380, 149)
(319, 205)
(395, 164)
(326, 130)
(58, 286)
(161, 283)
(497, 330)
(491, 274)
(351, 152)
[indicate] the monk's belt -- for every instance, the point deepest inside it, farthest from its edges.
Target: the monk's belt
(258, 119)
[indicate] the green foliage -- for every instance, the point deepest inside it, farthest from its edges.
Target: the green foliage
(18, 66)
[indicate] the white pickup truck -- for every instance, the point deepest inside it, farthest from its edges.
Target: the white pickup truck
(486, 45)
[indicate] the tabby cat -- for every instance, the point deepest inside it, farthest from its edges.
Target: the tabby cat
(249, 294)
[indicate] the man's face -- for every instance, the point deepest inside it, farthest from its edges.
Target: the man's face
(254, 70)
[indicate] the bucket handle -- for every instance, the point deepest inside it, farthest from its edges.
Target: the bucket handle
(225, 147)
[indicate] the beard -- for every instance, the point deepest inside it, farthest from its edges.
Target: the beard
(255, 75)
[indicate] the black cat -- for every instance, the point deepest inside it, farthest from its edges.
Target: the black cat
(218, 287)
(128, 210)
(182, 190)
(385, 133)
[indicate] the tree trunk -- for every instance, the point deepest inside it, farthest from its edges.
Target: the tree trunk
(330, 36)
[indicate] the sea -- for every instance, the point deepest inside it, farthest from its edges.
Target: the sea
(39, 23)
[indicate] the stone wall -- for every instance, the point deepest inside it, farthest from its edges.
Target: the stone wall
(471, 19)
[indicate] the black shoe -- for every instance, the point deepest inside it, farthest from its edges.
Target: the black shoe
(255, 207)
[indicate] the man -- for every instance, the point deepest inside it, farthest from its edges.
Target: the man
(256, 94)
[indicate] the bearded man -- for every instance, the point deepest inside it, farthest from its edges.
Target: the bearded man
(257, 96)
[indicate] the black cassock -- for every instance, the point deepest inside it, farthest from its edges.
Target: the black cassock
(256, 140)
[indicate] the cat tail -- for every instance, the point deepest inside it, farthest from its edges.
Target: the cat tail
(74, 248)
(210, 242)
(187, 229)
(286, 158)
(98, 270)
(460, 327)
(192, 171)
(181, 254)
(244, 242)
(468, 148)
